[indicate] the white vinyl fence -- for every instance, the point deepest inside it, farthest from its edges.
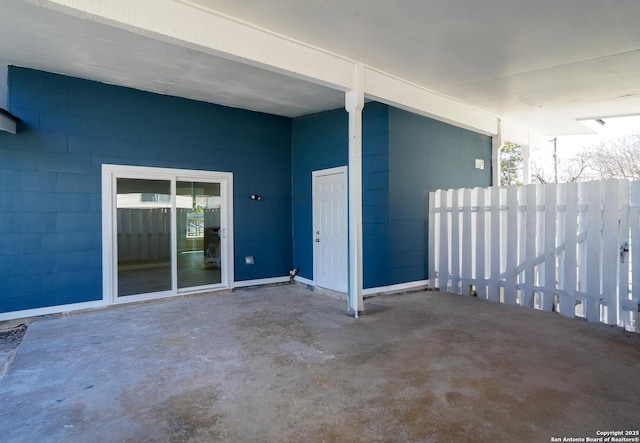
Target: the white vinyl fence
(566, 248)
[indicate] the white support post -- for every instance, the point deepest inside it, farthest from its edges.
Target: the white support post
(354, 104)
(496, 146)
(526, 164)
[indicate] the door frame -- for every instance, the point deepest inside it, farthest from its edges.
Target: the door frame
(110, 174)
(314, 213)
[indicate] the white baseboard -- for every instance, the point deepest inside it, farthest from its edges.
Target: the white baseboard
(260, 281)
(58, 309)
(401, 287)
(304, 281)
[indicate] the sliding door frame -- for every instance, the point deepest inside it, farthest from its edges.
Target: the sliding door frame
(110, 174)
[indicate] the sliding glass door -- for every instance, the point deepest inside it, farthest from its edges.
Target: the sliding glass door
(198, 222)
(165, 232)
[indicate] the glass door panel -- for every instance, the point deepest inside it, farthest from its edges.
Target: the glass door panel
(144, 236)
(198, 234)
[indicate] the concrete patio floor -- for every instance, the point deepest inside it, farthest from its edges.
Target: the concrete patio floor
(281, 364)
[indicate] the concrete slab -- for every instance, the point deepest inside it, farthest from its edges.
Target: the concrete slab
(282, 364)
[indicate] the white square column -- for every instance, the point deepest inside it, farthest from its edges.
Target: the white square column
(496, 147)
(354, 104)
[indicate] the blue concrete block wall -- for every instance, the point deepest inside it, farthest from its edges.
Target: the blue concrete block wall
(50, 196)
(425, 155)
(375, 195)
(318, 141)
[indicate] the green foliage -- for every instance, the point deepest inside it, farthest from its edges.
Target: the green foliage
(511, 163)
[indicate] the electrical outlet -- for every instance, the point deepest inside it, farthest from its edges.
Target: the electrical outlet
(248, 259)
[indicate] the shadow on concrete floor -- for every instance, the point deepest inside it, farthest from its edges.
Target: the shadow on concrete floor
(281, 364)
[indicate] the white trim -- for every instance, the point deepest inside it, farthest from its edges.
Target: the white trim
(58, 309)
(497, 142)
(153, 172)
(110, 173)
(401, 287)
(260, 282)
(108, 221)
(304, 281)
(143, 297)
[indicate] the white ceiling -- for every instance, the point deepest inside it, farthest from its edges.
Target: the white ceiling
(543, 63)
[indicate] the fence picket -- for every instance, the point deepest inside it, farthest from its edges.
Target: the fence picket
(623, 259)
(634, 221)
(444, 241)
(467, 242)
(511, 227)
(550, 211)
(479, 255)
(455, 242)
(583, 198)
(431, 243)
(570, 240)
(495, 245)
(530, 246)
(594, 262)
(609, 253)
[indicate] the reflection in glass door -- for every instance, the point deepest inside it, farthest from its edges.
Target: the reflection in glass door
(144, 236)
(199, 257)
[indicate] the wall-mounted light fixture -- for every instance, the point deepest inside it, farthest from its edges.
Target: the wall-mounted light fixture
(255, 197)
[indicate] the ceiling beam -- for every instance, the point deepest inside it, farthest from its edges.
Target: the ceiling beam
(187, 24)
(388, 89)
(182, 23)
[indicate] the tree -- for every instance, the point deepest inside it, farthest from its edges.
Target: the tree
(576, 169)
(511, 164)
(616, 158)
(610, 158)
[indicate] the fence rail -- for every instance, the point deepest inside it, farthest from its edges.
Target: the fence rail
(566, 248)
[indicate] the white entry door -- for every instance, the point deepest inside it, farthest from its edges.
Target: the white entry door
(330, 229)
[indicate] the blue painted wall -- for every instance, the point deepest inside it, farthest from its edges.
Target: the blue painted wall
(318, 141)
(425, 155)
(404, 157)
(375, 195)
(50, 196)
